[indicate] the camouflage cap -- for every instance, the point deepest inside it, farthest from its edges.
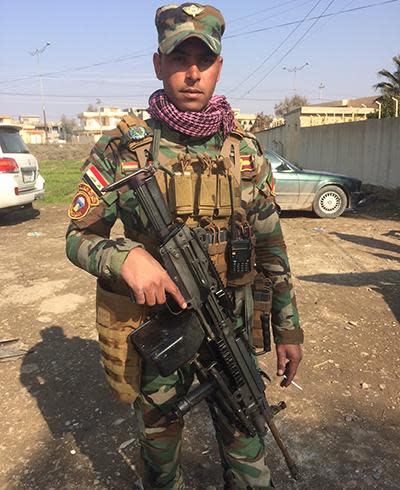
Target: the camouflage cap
(176, 23)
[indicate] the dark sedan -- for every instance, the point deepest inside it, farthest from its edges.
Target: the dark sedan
(325, 193)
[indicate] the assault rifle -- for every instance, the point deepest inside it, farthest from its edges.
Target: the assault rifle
(204, 333)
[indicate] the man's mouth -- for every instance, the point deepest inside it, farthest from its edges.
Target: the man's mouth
(191, 91)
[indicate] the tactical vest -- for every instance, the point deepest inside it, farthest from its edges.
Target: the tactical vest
(196, 189)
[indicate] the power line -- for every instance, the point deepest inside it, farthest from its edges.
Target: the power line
(277, 48)
(79, 68)
(70, 96)
(313, 18)
(231, 21)
(291, 49)
(259, 21)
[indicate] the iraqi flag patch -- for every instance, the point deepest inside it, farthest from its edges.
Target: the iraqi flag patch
(84, 199)
(96, 179)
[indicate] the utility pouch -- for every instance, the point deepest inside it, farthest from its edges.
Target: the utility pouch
(206, 183)
(216, 251)
(116, 318)
(181, 193)
(262, 305)
(224, 201)
(164, 181)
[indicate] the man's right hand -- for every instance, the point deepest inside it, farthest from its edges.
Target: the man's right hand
(148, 280)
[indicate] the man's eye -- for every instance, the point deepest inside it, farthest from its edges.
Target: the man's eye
(178, 58)
(208, 61)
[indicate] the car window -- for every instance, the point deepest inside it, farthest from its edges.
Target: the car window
(11, 141)
(273, 159)
(280, 164)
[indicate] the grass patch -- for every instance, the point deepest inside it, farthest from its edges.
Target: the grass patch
(62, 178)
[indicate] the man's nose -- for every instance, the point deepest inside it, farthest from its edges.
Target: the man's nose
(193, 72)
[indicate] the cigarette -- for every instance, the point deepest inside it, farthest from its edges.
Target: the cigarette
(294, 383)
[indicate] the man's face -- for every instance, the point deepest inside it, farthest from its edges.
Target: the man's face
(189, 74)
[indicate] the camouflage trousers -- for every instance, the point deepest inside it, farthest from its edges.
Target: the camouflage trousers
(243, 458)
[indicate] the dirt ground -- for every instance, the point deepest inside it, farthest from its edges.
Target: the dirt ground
(61, 427)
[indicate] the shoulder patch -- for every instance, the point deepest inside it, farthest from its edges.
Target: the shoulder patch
(84, 199)
(95, 178)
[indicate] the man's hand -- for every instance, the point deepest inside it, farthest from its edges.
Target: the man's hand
(148, 280)
(288, 360)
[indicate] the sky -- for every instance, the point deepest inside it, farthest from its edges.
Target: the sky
(101, 51)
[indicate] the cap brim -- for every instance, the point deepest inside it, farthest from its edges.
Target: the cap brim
(172, 42)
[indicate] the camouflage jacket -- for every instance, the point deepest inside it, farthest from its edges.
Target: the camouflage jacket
(93, 213)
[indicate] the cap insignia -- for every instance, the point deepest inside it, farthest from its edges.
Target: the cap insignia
(193, 10)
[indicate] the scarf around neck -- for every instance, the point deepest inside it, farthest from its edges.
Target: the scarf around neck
(216, 116)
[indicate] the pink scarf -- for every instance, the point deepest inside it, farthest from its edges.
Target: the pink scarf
(216, 116)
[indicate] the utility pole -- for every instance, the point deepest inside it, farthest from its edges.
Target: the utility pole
(396, 101)
(321, 86)
(98, 102)
(37, 53)
(379, 109)
(294, 70)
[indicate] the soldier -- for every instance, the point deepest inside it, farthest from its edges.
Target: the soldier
(190, 130)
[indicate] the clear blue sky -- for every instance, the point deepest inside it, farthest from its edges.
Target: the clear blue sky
(344, 52)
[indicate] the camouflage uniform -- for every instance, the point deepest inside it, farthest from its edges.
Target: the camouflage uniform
(89, 247)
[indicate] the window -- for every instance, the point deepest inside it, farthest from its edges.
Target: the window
(11, 141)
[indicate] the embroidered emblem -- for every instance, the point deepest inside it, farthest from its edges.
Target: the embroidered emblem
(96, 179)
(129, 166)
(137, 133)
(84, 199)
(193, 10)
(246, 163)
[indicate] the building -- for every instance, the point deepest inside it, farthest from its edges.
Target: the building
(32, 130)
(6, 119)
(138, 112)
(94, 123)
(284, 138)
(336, 112)
(246, 120)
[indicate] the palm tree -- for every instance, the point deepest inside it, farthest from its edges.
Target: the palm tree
(391, 86)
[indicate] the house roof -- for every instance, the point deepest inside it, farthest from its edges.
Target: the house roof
(360, 102)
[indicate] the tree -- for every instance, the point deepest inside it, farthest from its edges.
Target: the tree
(391, 86)
(91, 108)
(262, 121)
(387, 108)
(67, 127)
(289, 103)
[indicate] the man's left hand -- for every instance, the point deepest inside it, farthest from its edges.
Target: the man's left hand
(288, 360)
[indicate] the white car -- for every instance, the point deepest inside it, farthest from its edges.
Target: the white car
(20, 181)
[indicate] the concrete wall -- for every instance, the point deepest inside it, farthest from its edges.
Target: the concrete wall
(279, 139)
(368, 150)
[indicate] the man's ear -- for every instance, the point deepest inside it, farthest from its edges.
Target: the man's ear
(157, 65)
(221, 62)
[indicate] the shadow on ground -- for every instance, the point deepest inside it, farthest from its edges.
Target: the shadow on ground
(386, 283)
(65, 377)
(18, 216)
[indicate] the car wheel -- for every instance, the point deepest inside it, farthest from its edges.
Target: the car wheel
(330, 202)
